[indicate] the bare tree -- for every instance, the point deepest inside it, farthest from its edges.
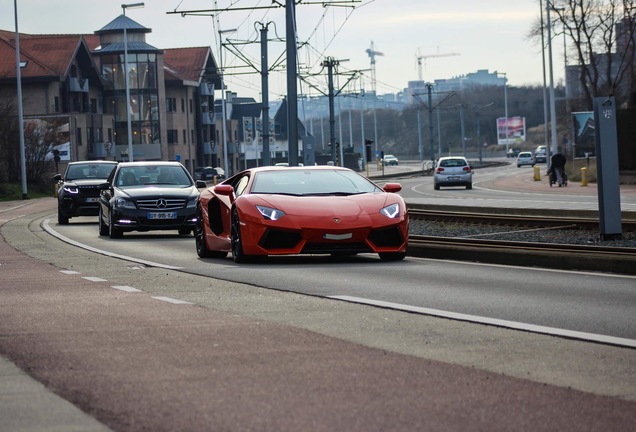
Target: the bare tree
(603, 64)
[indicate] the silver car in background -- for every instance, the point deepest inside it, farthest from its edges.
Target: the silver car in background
(453, 171)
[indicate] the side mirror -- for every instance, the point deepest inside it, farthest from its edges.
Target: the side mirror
(224, 189)
(392, 187)
(103, 186)
(57, 177)
(200, 184)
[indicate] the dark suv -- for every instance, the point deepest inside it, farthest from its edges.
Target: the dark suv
(77, 190)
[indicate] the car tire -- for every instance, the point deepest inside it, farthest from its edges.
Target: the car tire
(518, 166)
(103, 228)
(113, 232)
(469, 186)
(199, 242)
(237, 241)
(392, 256)
(62, 219)
(184, 231)
(436, 187)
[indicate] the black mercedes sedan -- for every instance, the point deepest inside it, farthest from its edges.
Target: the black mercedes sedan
(145, 196)
(78, 189)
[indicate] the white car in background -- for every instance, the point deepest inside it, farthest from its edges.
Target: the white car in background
(525, 158)
(453, 171)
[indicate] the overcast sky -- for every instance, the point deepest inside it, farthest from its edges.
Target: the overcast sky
(487, 34)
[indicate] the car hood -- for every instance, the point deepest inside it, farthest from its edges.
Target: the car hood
(327, 206)
(85, 182)
(153, 192)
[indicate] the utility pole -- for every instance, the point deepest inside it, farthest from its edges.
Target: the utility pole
(429, 88)
(330, 63)
(265, 101)
(292, 89)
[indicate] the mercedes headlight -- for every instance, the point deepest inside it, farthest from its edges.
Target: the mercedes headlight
(124, 203)
(391, 211)
(192, 202)
(270, 213)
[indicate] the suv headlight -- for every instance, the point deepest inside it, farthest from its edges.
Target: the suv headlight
(392, 211)
(124, 203)
(71, 189)
(270, 213)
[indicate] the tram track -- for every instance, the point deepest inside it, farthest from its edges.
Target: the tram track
(621, 260)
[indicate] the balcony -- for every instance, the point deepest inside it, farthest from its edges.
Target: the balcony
(206, 89)
(209, 148)
(207, 118)
(78, 85)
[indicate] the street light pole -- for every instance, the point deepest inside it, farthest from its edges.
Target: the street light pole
(553, 124)
(20, 113)
(223, 123)
(505, 108)
(128, 119)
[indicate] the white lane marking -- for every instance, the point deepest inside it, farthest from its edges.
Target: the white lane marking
(125, 288)
(571, 334)
(48, 229)
(94, 279)
(172, 300)
(525, 268)
(69, 272)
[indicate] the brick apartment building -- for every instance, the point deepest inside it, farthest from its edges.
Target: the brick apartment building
(81, 78)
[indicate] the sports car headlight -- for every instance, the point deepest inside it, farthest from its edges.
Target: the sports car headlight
(270, 213)
(124, 203)
(71, 189)
(391, 211)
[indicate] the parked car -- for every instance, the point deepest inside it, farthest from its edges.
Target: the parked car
(145, 196)
(390, 160)
(78, 189)
(453, 171)
(301, 210)
(208, 173)
(513, 152)
(525, 158)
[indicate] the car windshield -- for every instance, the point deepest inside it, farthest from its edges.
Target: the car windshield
(135, 176)
(448, 163)
(312, 182)
(89, 171)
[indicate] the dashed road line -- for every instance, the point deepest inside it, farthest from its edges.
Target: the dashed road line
(172, 300)
(94, 279)
(70, 272)
(126, 288)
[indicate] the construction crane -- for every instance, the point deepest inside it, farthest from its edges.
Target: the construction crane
(372, 53)
(420, 57)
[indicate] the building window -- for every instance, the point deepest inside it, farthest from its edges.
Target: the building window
(173, 136)
(190, 105)
(78, 136)
(185, 137)
(57, 104)
(171, 105)
(192, 138)
(182, 105)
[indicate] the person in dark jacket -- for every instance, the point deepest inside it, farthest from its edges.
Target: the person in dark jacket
(557, 165)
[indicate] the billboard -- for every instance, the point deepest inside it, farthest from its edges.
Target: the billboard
(511, 130)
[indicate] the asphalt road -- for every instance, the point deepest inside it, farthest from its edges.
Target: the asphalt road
(111, 337)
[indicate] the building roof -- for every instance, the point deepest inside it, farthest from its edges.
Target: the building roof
(122, 21)
(47, 55)
(189, 63)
